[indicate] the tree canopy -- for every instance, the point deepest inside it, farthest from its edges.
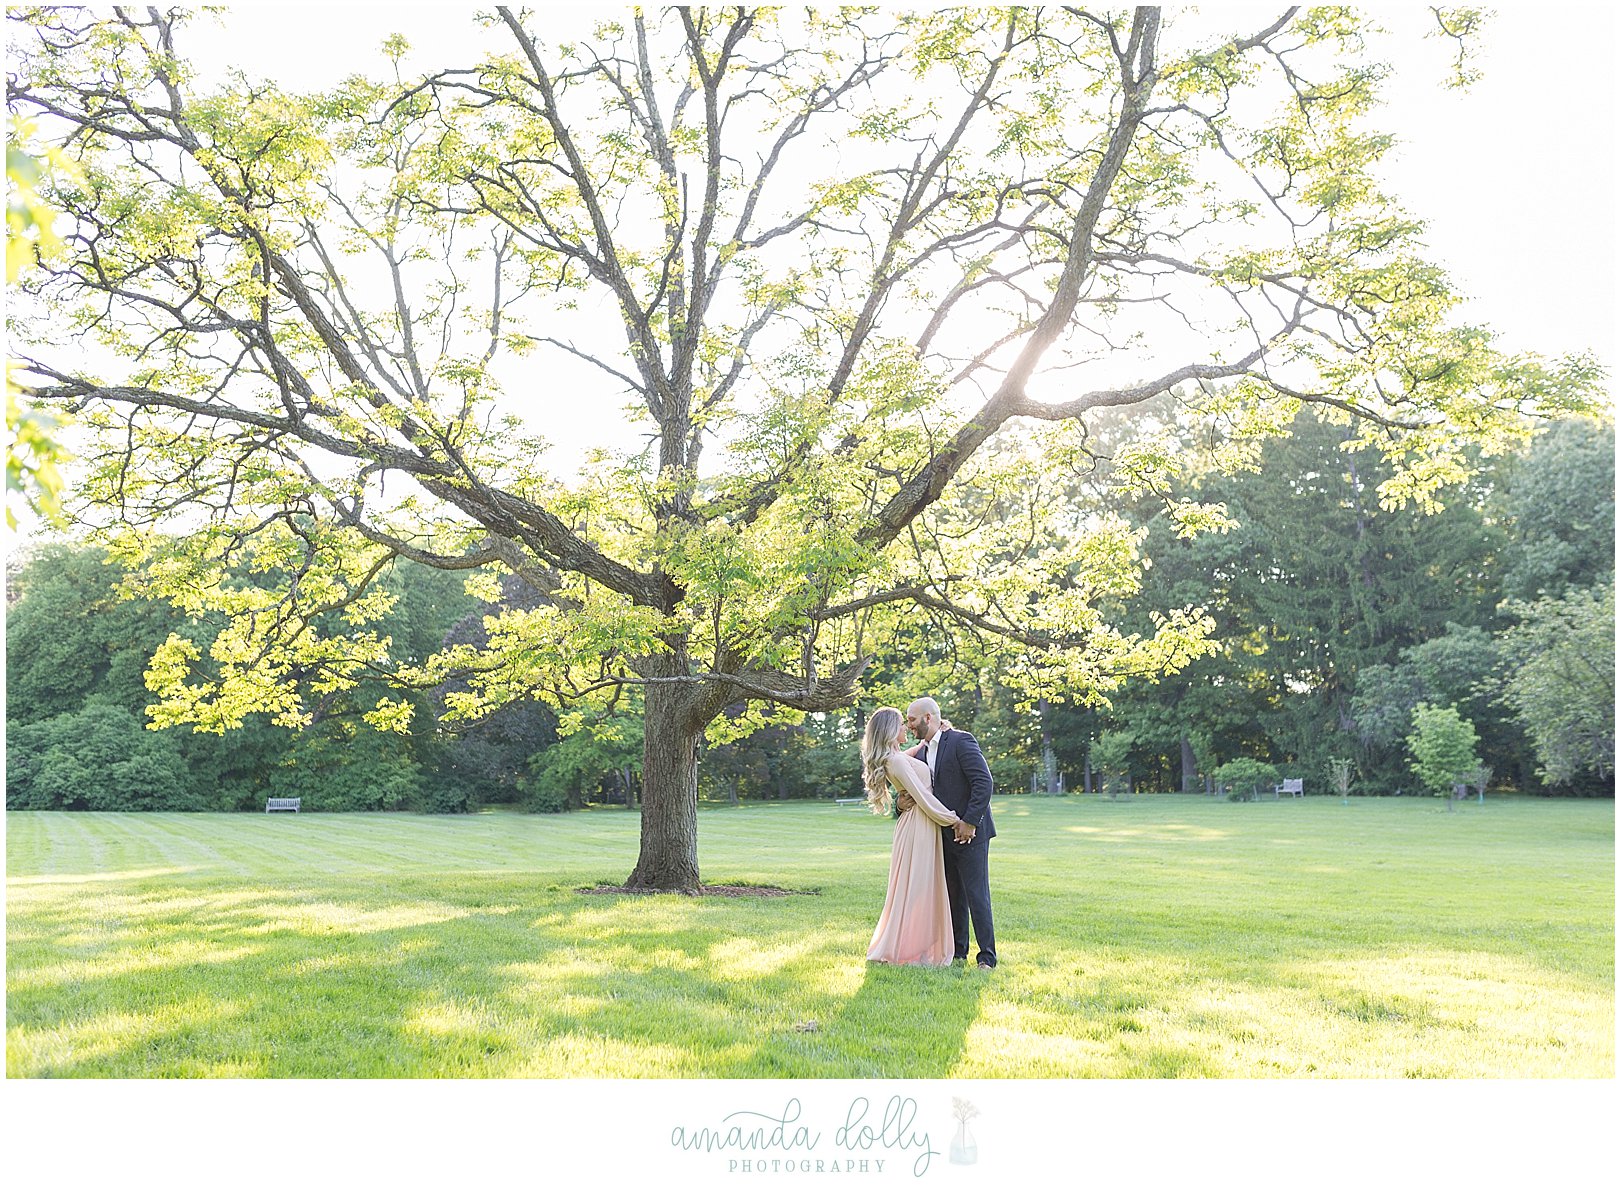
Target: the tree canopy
(835, 253)
(1561, 679)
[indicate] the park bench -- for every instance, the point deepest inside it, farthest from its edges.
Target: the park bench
(850, 801)
(1295, 788)
(283, 804)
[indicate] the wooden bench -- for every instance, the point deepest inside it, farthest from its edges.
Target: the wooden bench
(1295, 788)
(283, 804)
(850, 801)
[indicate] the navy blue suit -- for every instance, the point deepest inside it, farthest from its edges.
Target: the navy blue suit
(962, 782)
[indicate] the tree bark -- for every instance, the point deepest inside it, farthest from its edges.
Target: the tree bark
(1049, 760)
(669, 854)
(1190, 767)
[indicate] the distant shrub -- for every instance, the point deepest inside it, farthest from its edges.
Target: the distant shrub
(1246, 778)
(99, 757)
(155, 779)
(1111, 755)
(446, 796)
(1443, 746)
(345, 769)
(545, 799)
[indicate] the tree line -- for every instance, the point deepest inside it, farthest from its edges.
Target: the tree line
(1345, 627)
(1338, 621)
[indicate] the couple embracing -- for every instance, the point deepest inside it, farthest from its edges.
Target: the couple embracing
(938, 874)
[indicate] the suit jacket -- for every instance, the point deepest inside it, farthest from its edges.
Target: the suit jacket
(962, 781)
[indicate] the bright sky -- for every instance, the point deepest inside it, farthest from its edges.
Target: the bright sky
(1515, 177)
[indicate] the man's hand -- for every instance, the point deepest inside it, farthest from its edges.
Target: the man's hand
(964, 833)
(903, 801)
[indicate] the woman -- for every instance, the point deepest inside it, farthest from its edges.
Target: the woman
(915, 927)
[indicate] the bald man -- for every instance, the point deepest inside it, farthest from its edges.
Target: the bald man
(962, 781)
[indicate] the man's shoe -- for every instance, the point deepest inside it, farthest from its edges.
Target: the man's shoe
(985, 964)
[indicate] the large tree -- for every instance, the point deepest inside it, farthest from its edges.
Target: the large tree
(1558, 507)
(836, 253)
(1560, 679)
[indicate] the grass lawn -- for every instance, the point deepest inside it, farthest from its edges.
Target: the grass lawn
(1157, 937)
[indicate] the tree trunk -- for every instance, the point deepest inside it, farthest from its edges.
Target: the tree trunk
(1049, 761)
(669, 855)
(1190, 767)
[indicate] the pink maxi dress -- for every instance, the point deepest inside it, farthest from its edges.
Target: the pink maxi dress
(915, 927)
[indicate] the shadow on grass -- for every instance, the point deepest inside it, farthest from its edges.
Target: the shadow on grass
(489, 976)
(501, 975)
(906, 1022)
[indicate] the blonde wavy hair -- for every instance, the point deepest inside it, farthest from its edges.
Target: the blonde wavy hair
(876, 746)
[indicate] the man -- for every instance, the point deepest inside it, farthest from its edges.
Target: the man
(962, 782)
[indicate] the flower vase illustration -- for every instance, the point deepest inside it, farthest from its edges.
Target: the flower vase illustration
(963, 1148)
